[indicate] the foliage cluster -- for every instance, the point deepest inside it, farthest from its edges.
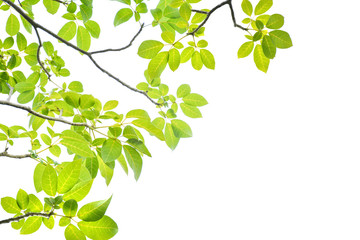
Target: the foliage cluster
(97, 137)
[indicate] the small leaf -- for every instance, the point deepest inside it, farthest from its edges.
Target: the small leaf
(263, 6)
(76, 86)
(196, 61)
(158, 64)
(261, 61)
(170, 138)
(190, 111)
(150, 48)
(174, 59)
(111, 150)
(83, 38)
(35, 204)
(247, 7)
(186, 54)
(105, 171)
(183, 90)
(207, 58)
(22, 199)
(268, 47)
(70, 208)
(86, 12)
(134, 159)
(93, 28)
(139, 145)
(148, 126)
(181, 129)
(26, 97)
(195, 99)
(138, 113)
(93, 211)
(10, 205)
(245, 49)
(281, 39)
(168, 37)
(39, 170)
(275, 21)
(123, 15)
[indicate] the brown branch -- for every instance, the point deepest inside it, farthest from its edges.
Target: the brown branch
(89, 54)
(29, 110)
(199, 11)
(6, 154)
(30, 214)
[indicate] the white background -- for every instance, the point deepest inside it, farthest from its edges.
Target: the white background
(276, 155)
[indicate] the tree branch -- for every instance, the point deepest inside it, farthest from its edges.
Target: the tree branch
(89, 54)
(30, 214)
(6, 154)
(29, 110)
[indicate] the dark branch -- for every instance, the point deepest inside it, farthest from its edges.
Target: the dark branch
(89, 54)
(29, 110)
(6, 154)
(199, 11)
(30, 214)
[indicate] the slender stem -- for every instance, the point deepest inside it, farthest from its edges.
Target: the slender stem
(6, 154)
(30, 214)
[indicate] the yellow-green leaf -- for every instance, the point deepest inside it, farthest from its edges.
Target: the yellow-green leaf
(12, 25)
(49, 181)
(261, 61)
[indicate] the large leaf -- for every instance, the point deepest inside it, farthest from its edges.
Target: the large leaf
(10, 205)
(35, 204)
(195, 99)
(150, 48)
(181, 129)
(268, 47)
(123, 15)
(111, 150)
(38, 173)
(275, 21)
(190, 111)
(261, 61)
(31, 225)
(72, 233)
(134, 159)
(12, 25)
(281, 39)
(68, 31)
(170, 138)
(70, 208)
(76, 143)
(207, 58)
(247, 7)
(79, 191)
(22, 199)
(103, 229)
(245, 49)
(158, 64)
(69, 176)
(83, 38)
(49, 181)
(93, 211)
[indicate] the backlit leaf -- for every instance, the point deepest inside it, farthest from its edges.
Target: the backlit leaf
(103, 229)
(158, 64)
(12, 25)
(93, 211)
(170, 138)
(261, 61)
(72, 232)
(79, 191)
(268, 47)
(281, 39)
(49, 181)
(245, 49)
(134, 159)
(275, 21)
(181, 129)
(123, 15)
(263, 6)
(69, 176)
(31, 225)
(247, 7)
(68, 31)
(150, 48)
(111, 150)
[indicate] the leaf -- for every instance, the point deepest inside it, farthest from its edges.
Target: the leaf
(103, 229)
(79, 191)
(158, 64)
(38, 172)
(94, 211)
(138, 113)
(51, 6)
(26, 97)
(134, 159)
(21, 41)
(261, 61)
(263, 6)
(170, 138)
(49, 222)
(170, 12)
(123, 15)
(69, 176)
(86, 12)
(275, 21)
(183, 90)
(76, 86)
(86, 101)
(10, 205)
(199, 17)
(181, 129)
(72, 232)
(139, 145)
(49, 181)
(247, 7)
(92, 166)
(35, 204)
(174, 59)
(93, 28)
(123, 164)
(105, 171)
(148, 126)
(68, 31)
(76, 143)
(185, 11)
(245, 49)
(12, 25)
(24, 86)
(111, 150)
(186, 54)
(207, 58)
(268, 47)
(64, 221)
(190, 111)
(31, 225)
(22, 199)
(83, 38)
(195, 99)
(281, 39)
(196, 61)
(70, 208)
(168, 37)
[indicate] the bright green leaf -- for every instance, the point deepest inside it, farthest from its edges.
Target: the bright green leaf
(10, 205)
(261, 61)
(170, 138)
(281, 39)
(22, 199)
(195, 99)
(181, 129)
(70, 208)
(263, 6)
(158, 64)
(79, 191)
(245, 49)
(275, 21)
(83, 38)
(111, 150)
(103, 229)
(134, 159)
(31, 225)
(72, 233)
(69, 176)
(268, 47)
(68, 31)
(12, 25)
(93, 211)
(49, 181)
(123, 15)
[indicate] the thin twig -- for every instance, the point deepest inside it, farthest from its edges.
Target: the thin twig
(6, 154)
(29, 110)
(30, 214)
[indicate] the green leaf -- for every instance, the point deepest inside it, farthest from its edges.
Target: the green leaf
(141, 8)
(139, 145)
(186, 54)
(168, 37)
(31, 225)
(202, 44)
(158, 64)
(123, 164)
(72, 232)
(86, 101)
(261, 61)
(106, 171)
(21, 41)
(51, 6)
(156, 13)
(263, 6)
(49, 181)
(46, 139)
(183, 90)
(19, 224)
(76, 143)
(111, 150)
(281, 39)
(22, 199)
(148, 126)
(83, 38)
(275, 21)
(68, 31)
(70, 208)
(170, 12)
(199, 17)
(35, 204)
(185, 11)
(64, 221)
(174, 59)
(123, 15)
(12, 25)
(71, 98)
(38, 173)
(195, 99)
(24, 86)
(94, 211)
(79, 191)
(247, 7)
(207, 58)
(26, 97)
(245, 49)
(170, 138)
(86, 12)
(196, 61)
(93, 28)
(49, 222)
(110, 105)
(134, 159)
(10, 205)
(190, 111)
(103, 229)
(268, 47)
(76, 86)
(181, 129)
(138, 113)
(69, 176)
(92, 166)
